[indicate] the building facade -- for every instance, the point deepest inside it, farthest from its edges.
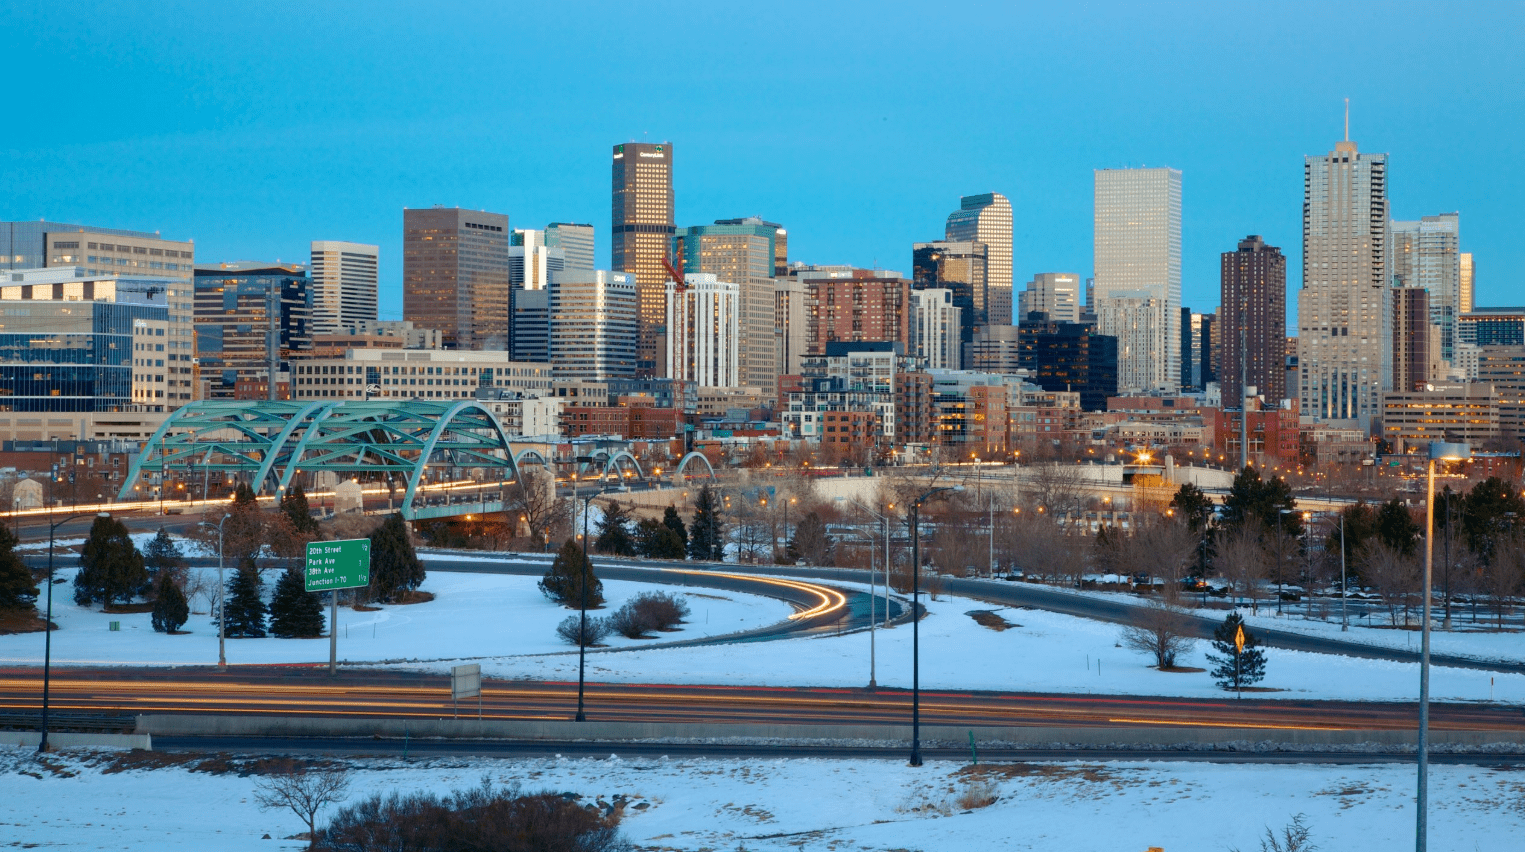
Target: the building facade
(933, 330)
(986, 218)
(1054, 293)
(1492, 327)
(1466, 283)
(1067, 356)
(1503, 367)
(344, 285)
(1141, 324)
(1459, 412)
(1411, 338)
(1138, 250)
(1426, 254)
(704, 339)
(640, 237)
(251, 319)
(455, 275)
(575, 242)
(962, 268)
(416, 374)
(1254, 322)
(850, 305)
(744, 255)
(594, 326)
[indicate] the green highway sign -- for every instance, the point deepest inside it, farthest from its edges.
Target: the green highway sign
(338, 564)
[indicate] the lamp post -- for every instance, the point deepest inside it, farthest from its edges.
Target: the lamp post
(1281, 534)
(916, 618)
(222, 619)
(1344, 584)
(873, 614)
(582, 634)
(1441, 451)
(47, 629)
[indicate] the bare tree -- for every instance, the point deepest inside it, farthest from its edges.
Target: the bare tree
(1160, 630)
(1394, 576)
(1500, 577)
(1160, 548)
(545, 515)
(1056, 486)
(1242, 562)
(1295, 837)
(305, 790)
(752, 529)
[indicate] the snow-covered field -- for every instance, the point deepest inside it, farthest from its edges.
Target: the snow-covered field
(68, 802)
(472, 615)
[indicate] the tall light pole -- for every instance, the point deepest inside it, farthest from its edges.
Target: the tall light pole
(582, 634)
(1281, 534)
(873, 614)
(916, 618)
(222, 617)
(1439, 451)
(1344, 584)
(47, 629)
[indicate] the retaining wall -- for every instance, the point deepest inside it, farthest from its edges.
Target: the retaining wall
(64, 739)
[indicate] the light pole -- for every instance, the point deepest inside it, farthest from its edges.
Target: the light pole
(1281, 534)
(582, 634)
(222, 617)
(1344, 584)
(1441, 451)
(873, 614)
(916, 618)
(47, 629)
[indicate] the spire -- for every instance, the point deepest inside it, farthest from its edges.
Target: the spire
(1346, 146)
(1347, 119)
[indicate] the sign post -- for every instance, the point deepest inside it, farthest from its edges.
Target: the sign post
(335, 565)
(466, 681)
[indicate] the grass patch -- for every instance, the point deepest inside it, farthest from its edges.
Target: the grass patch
(21, 621)
(413, 596)
(147, 606)
(991, 619)
(1182, 670)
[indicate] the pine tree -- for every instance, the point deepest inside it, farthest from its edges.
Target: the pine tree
(614, 531)
(395, 566)
(294, 611)
(170, 608)
(245, 610)
(1397, 527)
(656, 540)
(162, 554)
(18, 591)
(1250, 666)
(707, 541)
(563, 581)
(674, 522)
(111, 568)
(294, 505)
(810, 541)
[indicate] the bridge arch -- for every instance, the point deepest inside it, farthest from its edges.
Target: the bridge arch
(677, 473)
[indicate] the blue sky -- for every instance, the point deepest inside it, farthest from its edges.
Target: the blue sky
(857, 126)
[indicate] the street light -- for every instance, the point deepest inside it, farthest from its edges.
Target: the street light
(916, 618)
(1441, 451)
(1280, 535)
(582, 635)
(47, 628)
(222, 618)
(873, 613)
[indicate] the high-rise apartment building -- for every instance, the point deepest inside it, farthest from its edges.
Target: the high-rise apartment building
(344, 277)
(853, 306)
(455, 275)
(986, 218)
(933, 330)
(116, 253)
(1426, 253)
(251, 318)
(744, 255)
(593, 325)
(1466, 283)
(1054, 293)
(704, 332)
(963, 268)
(1067, 356)
(1344, 310)
(1411, 338)
(1141, 322)
(1138, 251)
(575, 242)
(1198, 347)
(1253, 316)
(641, 235)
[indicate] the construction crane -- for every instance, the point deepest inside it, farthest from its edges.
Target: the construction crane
(680, 286)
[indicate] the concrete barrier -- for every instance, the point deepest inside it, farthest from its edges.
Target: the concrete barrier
(531, 730)
(64, 739)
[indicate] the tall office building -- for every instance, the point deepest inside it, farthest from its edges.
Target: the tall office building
(593, 326)
(1426, 253)
(455, 275)
(704, 332)
(1138, 251)
(1493, 327)
(1054, 293)
(641, 237)
(1254, 315)
(986, 218)
(250, 317)
(531, 325)
(531, 260)
(115, 253)
(1068, 356)
(744, 255)
(933, 329)
(343, 285)
(964, 269)
(575, 242)
(790, 324)
(780, 241)
(1344, 310)
(1198, 348)
(1466, 284)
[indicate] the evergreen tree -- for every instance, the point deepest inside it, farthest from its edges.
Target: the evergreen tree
(1192, 505)
(394, 564)
(1249, 668)
(162, 554)
(244, 612)
(170, 608)
(294, 611)
(1396, 527)
(656, 540)
(810, 541)
(707, 540)
(1359, 525)
(674, 522)
(1252, 499)
(111, 568)
(563, 581)
(18, 591)
(1489, 512)
(614, 531)
(294, 506)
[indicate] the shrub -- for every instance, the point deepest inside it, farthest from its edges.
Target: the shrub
(569, 629)
(628, 623)
(660, 610)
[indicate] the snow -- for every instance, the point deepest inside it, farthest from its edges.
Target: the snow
(766, 804)
(470, 613)
(188, 547)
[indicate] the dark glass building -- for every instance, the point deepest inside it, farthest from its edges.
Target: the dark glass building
(235, 306)
(1069, 356)
(58, 355)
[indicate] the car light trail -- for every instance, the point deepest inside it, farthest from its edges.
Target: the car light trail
(831, 599)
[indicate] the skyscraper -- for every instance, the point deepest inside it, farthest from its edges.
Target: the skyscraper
(963, 268)
(1344, 310)
(986, 219)
(343, 285)
(532, 259)
(575, 242)
(455, 275)
(1465, 284)
(1054, 293)
(641, 237)
(1426, 253)
(744, 255)
(250, 317)
(1068, 356)
(933, 329)
(1138, 251)
(780, 242)
(1411, 338)
(1254, 314)
(592, 324)
(704, 340)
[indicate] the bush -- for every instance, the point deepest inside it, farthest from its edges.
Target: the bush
(660, 610)
(569, 628)
(484, 818)
(628, 623)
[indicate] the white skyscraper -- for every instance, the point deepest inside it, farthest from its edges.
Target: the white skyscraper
(1344, 310)
(1054, 293)
(987, 219)
(704, 331)
(933, 329)
(343, 285)
(1138, 250)
(1426, 254)
(1141, 323)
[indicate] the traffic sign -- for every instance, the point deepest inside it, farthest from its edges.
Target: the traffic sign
(338, 565)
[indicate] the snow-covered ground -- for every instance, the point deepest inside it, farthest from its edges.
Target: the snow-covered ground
(762, 805)
(188, 547)
(471, 615)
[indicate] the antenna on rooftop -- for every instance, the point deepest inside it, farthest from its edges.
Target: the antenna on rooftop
(1347, 119)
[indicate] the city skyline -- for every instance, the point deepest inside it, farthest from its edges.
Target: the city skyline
(288, 141)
